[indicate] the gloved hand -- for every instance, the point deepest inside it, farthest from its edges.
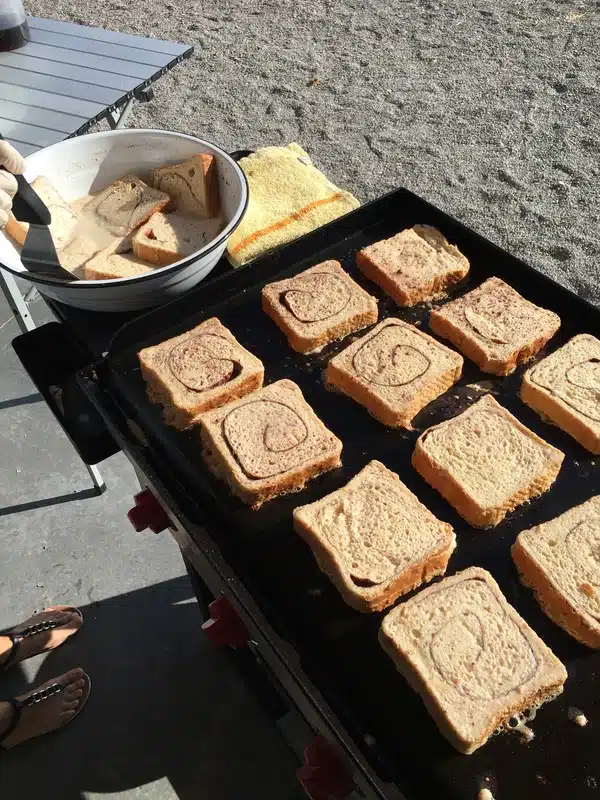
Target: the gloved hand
(14, 163)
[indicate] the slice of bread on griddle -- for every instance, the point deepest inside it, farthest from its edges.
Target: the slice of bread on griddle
(495, 327)
(565, 388)
(268, 443)
(318, 306)
(475, 662)
(63, 219)
(485, 462)
(193, 185)
(415, 265)
(394, 371)
(374, 539)
(199, 370)
(167, 238)
(560, 561)
(125, 204)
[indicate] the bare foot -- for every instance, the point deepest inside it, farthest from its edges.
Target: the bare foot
(41, 632)
(46, 708)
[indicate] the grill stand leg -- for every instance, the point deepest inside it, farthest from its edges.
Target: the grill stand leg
(15, 300)
(97, 478)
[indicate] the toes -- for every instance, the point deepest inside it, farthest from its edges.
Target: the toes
(72, 676)
(70, 706)
(66, 618)
(65, 715)
(64, 615)
(74, 694)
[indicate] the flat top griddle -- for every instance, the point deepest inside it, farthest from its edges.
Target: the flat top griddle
(338, 646)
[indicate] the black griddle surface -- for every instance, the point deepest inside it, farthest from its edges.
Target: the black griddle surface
(338, 647)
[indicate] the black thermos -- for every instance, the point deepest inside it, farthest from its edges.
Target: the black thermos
(14, 30)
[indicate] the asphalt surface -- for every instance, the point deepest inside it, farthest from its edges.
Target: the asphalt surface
(168, 717)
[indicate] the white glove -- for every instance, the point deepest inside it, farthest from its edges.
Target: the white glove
(14, 163)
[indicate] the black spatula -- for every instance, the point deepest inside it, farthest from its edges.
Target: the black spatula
(38, 254)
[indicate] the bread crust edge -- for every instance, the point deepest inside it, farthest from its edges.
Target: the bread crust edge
(378, 597)
(468, 508)
(418, 683)
(547, 406)
(552, 601)
(311, 344)
(339, 379)
(428, 291)
(477, 353)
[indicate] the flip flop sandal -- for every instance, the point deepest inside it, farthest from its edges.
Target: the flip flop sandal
(39, 697)
(32, 630)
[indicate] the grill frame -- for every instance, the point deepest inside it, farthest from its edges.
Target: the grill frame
(418, 761)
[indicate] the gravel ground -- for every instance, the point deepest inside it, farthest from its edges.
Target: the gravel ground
(487, 108)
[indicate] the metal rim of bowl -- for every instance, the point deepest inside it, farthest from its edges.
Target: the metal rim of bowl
(171, 268)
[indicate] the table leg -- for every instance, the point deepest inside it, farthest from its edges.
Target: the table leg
(118, 119)
(15, 300)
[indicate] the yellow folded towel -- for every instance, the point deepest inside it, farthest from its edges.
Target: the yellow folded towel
(289, 197)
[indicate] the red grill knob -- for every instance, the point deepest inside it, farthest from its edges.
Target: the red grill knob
(324, 776)
(225, 628)
(148, 513)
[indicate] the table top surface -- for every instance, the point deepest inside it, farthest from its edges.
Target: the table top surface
(69, 77)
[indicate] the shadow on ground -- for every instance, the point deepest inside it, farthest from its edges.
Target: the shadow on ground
(164, 705)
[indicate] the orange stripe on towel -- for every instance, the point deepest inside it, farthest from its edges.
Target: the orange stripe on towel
(283, 223)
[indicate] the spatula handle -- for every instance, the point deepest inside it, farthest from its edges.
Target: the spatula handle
(27, 204)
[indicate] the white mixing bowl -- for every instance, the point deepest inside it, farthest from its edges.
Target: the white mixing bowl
(86, 165)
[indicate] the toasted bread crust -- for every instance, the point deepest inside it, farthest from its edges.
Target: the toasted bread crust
(540, 401)
(312, 344)
(161, 388)
(519, 328)
(400, 294)
(553, 602)
(462, 501)
(17, 230)
(298, 333)
(182, 418)
(211, 181)
(418, 681)
(223, 459)
(375, 598)
(377, 262)
(293, 481)
(553, 406)
(339, 377)
(466, 506)
(473, 350)
(382, 279)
